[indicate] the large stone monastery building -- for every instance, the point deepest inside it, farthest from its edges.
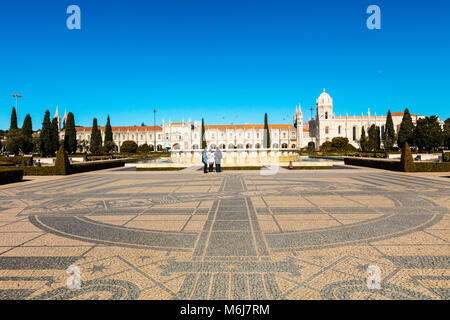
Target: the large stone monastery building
(187, 135)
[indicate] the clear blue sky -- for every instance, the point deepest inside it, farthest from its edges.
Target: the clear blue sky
(229, 61)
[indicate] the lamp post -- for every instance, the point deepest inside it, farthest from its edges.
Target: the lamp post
(154, 130)
(17, 96)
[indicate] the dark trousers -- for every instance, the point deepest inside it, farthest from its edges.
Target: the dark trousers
(218, 168)
(211, 167)
(205, 167)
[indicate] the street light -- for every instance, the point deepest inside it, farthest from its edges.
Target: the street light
(154, 130)
(17, 96)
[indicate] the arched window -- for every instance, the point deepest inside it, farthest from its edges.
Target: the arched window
(222, 146)
(293, 146)
(248, 146)
(275, 146)
(195, 147)
(327, 130)
(176, 146)
(284, 146)
(326, 115)
(339, 130)
(240, 146)
(231, 146)
(354, 133)
(257, 146)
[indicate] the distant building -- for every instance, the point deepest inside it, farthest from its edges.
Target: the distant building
(187, 135)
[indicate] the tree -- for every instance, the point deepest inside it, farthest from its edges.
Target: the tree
(406, 132)
(96, 138)
(363, 140)
(45, 143)
(340, 144)
(428, 134)
(54, 136)
(27, 135)
(446, 133)
(326, 147)
(14, 141)
(203, 135)
(406, 161)
(389, 133)
(70, 136)
(109, 142)
(129, 146)
(145, 148)
(266, 139)
(374, 138)
(13, 125)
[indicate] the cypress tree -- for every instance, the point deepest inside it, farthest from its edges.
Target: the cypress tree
(96, 138)
(363, 140)
(389, 133)
(266, 137)
(27, 135)
(54, 136)
(13, 125)
(203, 135)
(70, 136)
(406, 132)
(109, 142)
(45, 143)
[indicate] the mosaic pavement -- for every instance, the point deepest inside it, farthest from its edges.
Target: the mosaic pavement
(183, 235)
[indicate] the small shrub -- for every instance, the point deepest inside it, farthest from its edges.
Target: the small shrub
(129, 147)
(407, 161)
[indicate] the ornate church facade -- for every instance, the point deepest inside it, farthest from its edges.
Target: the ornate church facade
(187, 135)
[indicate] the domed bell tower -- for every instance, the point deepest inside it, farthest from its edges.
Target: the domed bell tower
(324, 106)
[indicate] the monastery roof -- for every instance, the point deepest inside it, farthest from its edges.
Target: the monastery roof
(400, 114)
(128, 128)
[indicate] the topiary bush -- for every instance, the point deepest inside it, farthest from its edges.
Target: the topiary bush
(129, 147)
(407, 162)
(62, 163)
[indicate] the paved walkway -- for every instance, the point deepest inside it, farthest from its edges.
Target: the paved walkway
(235, 235)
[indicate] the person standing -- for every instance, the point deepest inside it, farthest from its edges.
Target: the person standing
(218, 157)
(205, 161)
(211, 160)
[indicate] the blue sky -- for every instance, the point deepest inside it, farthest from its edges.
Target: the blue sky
(227, 61)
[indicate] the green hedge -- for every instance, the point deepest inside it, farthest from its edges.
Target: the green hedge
(17, 160)
(374, 163)
(397, 165)
(93, 166)
(72, 169)
(432, 166)
(10, 175)
(160, 169)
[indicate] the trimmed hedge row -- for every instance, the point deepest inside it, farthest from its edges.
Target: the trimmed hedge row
(10, 175)
(397, 165)
(92, 166)
(72, 169)
(432, 166)
(374, 163)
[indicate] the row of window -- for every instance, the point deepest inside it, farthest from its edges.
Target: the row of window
(355, 136)
(239, 146)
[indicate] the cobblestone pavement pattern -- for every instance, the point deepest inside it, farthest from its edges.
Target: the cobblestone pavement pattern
(237, 235)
